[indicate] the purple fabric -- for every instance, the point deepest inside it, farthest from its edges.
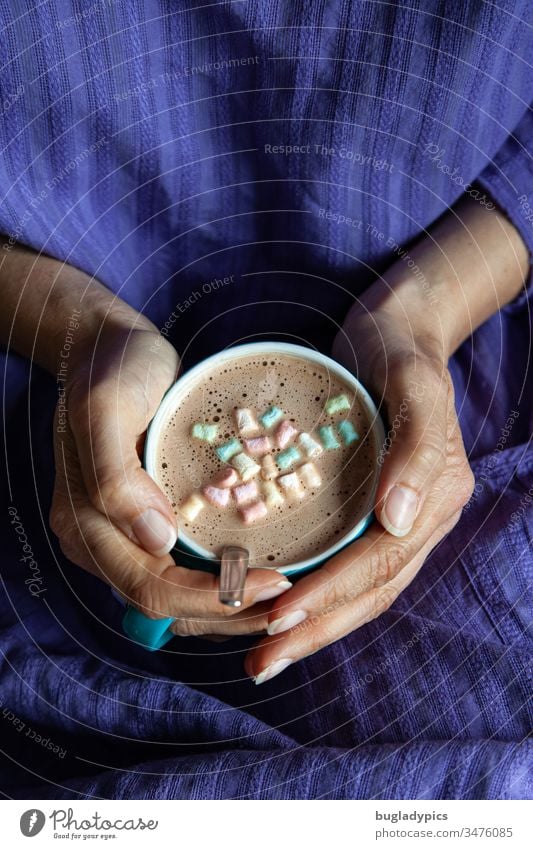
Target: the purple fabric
(180, 187)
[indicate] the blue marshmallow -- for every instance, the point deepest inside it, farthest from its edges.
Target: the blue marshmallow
(287, 458)
(329, 440)
(347, 432)
(204, 432)
(271, 417)
(228, 450)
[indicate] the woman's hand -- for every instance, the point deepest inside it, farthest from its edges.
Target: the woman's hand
(398, 339)
(425, 481)
(110, 517)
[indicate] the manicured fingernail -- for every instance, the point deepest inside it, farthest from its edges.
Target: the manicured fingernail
(286, 622)
(274, 669)
(154, 532)
(399, 512)
(272, 592)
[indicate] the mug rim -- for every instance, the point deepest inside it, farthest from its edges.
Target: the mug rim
(189, 377)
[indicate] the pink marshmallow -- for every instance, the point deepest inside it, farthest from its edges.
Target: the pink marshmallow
(226, 478)
(258, 446)
(254, 512)
(216, 496)
(285, 433)
(245, 493)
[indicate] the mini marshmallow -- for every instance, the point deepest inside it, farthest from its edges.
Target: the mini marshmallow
(288, 458)
(337, 404)
(309, 446)
(216, 496)
(228, 450)
(271, 417)
(245, 493)
(254, 512)
(269, 470)
(246, 467)
(309, 475)
(285, 433)
(191, 507)
(246, 421)
(291, 485)
(226, 478)
(347, 432)
(273, 497)
(328, 437)
(204, 432)
(258, 446)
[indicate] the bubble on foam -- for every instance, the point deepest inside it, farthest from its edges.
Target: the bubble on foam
(296, 396)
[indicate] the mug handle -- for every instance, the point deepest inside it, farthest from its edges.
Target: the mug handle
(151, 634)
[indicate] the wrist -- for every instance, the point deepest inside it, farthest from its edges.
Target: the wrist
(91, 328)
(392, 319)
(50, 308)
(86, 312)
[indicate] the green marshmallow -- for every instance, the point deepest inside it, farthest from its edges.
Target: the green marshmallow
(271, 417)
(347, 432)
(337, 404)
(228, 450)
(328, 438)
(287, 458)
(205, 432)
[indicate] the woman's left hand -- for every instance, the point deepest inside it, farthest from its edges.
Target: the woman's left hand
(425, 480)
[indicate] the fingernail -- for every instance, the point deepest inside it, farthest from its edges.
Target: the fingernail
(154, 532)
(399, 511)
(286, 622)
(274, 669)
(272, 592)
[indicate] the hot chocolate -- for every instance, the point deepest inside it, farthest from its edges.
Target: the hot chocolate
(273, 453)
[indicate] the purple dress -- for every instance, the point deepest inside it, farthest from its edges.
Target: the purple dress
(294, 148)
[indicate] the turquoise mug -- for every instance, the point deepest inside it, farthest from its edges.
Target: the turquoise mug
(153, 634)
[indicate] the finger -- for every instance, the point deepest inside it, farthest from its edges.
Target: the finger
(368, 563)
(275, 653)
(250, 622)
(108, 424)
(418, 398)
(154, 585)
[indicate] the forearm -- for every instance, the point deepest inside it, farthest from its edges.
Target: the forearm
(466, 268)
(40, 297)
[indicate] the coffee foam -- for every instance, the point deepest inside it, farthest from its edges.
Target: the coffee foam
(293, 531)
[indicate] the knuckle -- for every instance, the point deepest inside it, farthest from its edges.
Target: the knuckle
(386, 564)
(331, 592)
(185, 627)
(58, 521)
(69, 546)
(316, 641)
(146, 598)
(383, 598)
(68, 536)
(431, 458)
(107, 492)
(468, 483)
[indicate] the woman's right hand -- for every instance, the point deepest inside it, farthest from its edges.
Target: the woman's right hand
(110, 517)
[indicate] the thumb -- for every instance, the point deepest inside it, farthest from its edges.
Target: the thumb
(108, 425)
(414, 453)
